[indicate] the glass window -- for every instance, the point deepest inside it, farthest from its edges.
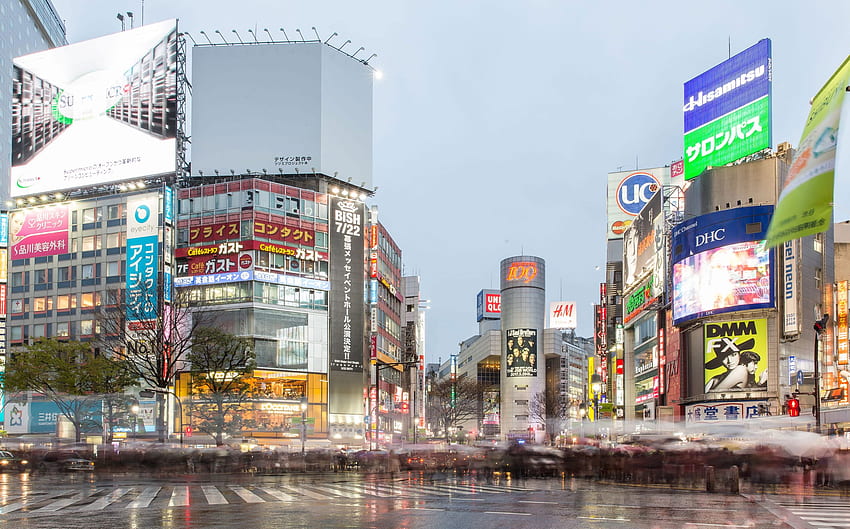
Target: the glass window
(63, 329)
(86, 327)
(40, 304)
(116, 240)
(43, 277)
(20, 279)
(89, 300)
(88, 271)
(66, 302)
(113, 268)
(92, 242)
(88, 215)
(65, 273)
(39, 331)
(114, 211)
(16, 306)
(16, 333)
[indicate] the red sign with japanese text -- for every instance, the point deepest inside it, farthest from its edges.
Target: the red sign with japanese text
(280, 232)
(214, 232)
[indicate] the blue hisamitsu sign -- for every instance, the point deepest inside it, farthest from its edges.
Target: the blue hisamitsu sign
(730, 85)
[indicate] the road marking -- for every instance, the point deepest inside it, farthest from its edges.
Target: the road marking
(342, 491)
(308, 493)
(213, 495)
(507, 512)
(179, 497)
(602, 518)
(64, 502)
(716, 524)
(277, 494)
(101, 503)
(467, 499)
(542, 502)
(145, 498)
(26, 500)
(246, 494)
(425, 509)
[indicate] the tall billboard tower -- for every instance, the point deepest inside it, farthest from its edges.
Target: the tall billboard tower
(523, 290)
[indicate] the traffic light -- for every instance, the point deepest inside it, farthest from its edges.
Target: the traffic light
(793, 406)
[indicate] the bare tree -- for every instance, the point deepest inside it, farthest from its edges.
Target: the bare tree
(547, 409)
(451, 402)
(220, 366)
(155, 340)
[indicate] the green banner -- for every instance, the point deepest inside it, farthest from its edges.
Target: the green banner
(728, 138)
(805, 203)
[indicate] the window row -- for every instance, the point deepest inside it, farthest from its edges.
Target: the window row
(256, 199)
(85, 300)
(73, 330)
(280, 295)
(61, 274)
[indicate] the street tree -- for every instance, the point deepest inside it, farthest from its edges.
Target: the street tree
(546, 408)
(220, 369)
(154, 337)
(453, 402)
(70, 374)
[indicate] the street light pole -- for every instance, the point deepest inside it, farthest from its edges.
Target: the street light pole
(820, 327)
(303, 425)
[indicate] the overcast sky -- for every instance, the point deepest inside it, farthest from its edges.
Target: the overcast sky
(496, 122)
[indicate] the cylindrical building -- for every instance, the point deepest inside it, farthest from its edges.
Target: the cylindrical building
(523, 289)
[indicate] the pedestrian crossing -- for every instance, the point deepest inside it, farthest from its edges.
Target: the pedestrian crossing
(194, 495)
(820, 513)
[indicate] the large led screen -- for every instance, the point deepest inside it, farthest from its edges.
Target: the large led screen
(100, 111)
(727, 110)
(521, 352)
(720, 263)
(736, 355)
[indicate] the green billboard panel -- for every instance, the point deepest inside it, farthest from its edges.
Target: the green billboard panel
(728, 138)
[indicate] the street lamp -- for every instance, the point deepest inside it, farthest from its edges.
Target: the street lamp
(134, 409)
(596, 388)
(303, 424)
(820, 328)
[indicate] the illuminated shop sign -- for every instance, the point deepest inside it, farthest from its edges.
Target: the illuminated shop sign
(723, 412)
(251, 275)
(283, 233)
(214, 232)
(736, 355)
(639, 299)
(524, 271)
(628, 193)
(521, 352)
(234, 247)
(562, 315)
(142, 283)
(727, 110)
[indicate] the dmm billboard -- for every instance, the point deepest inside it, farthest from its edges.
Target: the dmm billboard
(100, 111)
(727, 110)
(720, 263)
(736, 355)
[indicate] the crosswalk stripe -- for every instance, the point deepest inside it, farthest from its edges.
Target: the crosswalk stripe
(246, 494)
(179, 497)
(308, 493)
(213, 495)
(64, 502)
(277, 494)
(103, 502)
(145, 498)
(348, 492)
(433, 490)
(447, 488)
(26, 500)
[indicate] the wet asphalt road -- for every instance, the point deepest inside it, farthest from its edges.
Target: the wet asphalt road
(402, 501)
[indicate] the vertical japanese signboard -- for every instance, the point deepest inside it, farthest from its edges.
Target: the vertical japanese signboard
(142, 288)
(346, 305)
(841, 323)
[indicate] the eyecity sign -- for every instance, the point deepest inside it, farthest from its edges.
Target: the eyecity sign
(727, 110)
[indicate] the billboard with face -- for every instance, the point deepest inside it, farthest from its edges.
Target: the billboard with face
(643, 240)
(521, 352)
(628, 193)
(100, 111)
(720, 263)
(736, 355)
(727, 110)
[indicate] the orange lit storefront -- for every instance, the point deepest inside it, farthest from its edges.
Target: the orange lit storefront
(273, 415)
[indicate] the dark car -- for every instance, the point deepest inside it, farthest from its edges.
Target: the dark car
(10, 462)
(62, 461)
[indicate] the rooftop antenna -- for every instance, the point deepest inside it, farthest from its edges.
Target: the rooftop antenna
(730, 46)
(285, 35)
(269, 33)
(143, 12)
